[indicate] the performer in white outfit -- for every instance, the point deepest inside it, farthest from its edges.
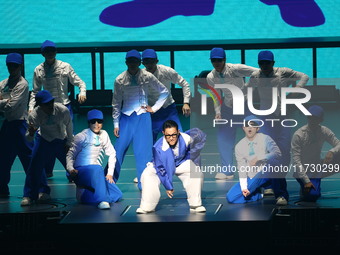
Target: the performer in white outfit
(174, 154)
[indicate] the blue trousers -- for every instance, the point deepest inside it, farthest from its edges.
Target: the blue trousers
(134, 129)
(13, 143)
(35, 176)
(97, 189)
(226, 137)
(163, 114)
(235, 195)
(313, 194)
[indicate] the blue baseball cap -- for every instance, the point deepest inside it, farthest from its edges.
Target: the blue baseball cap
(266, 55)
(149, 53)
(43, 97)
(95, 115)
(316, 111)
(47, 44)
(133, 54)
(14, 58)
(217, 53)
(252, 118)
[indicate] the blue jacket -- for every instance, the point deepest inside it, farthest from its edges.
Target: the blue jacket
(190, 145)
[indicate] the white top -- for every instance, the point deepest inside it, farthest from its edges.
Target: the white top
(231, 74)
(307, 146)
(280, 77)
(131, 92)
(89, 148)
(55, 78)
(17, 94)
(167, 75)
(58, 125)
(264, 149)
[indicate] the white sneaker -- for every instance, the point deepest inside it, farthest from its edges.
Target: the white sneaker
(281, 201)
(268, 192)
(198, 209)
(26, 201)
(141, 211)
(44, 197)
(221, 176)
(103, 205)
(135, 180)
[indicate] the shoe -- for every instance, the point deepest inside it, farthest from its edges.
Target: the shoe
(221, 176)
(144, 13)
(141, 211)
(198, 209)
(26, 201)
(135, 180)
(268, 192)
(281, 201)
(44, 197)
(103, 205)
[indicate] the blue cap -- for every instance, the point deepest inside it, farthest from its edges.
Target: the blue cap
(14, 58)
(266, 55)
(43, 97)
(149, 53)
(95, 115)
(252, 118)
(217, 53)
(46, 44)
(133, 54)
(316, 111)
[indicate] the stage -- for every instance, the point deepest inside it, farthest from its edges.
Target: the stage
(64, 224)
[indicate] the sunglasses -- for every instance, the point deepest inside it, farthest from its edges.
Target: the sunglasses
(96, 120)
(217, 60)
(173, 136)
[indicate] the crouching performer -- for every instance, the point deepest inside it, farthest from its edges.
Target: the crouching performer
(174, 154)
(84, 164)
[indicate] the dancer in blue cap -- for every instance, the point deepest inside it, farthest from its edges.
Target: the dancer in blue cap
(226, 73)
(307, 143)
(167, 76)
(253, 153)
(84, 163)
(13, 103)
(131, 119)
(53, 139)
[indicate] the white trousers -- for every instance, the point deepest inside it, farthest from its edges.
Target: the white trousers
(192, 184)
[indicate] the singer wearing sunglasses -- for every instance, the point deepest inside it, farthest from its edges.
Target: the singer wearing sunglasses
(84, 163)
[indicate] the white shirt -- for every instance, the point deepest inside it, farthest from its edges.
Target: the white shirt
(306, 148)
(17, 94)
(167, 75)
(58, 125)
(131, 92)
(280, 77)
(55, 78)
(231, 74)
(264, 149)
(89, 148)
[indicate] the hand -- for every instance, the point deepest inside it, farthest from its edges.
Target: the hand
(186, 110)
(116, 132)
(307, 187)
(245, 192)
(81, 99)
(1, 96)
(328, 158)
(148, 108)
(109, 178)
(253, 162)
(31, 129)
(170, 193)
(218, 116)
(73, 174)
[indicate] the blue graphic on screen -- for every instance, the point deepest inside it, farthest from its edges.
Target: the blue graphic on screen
(144, 13)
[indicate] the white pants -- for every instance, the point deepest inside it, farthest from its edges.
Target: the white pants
(151, 182)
